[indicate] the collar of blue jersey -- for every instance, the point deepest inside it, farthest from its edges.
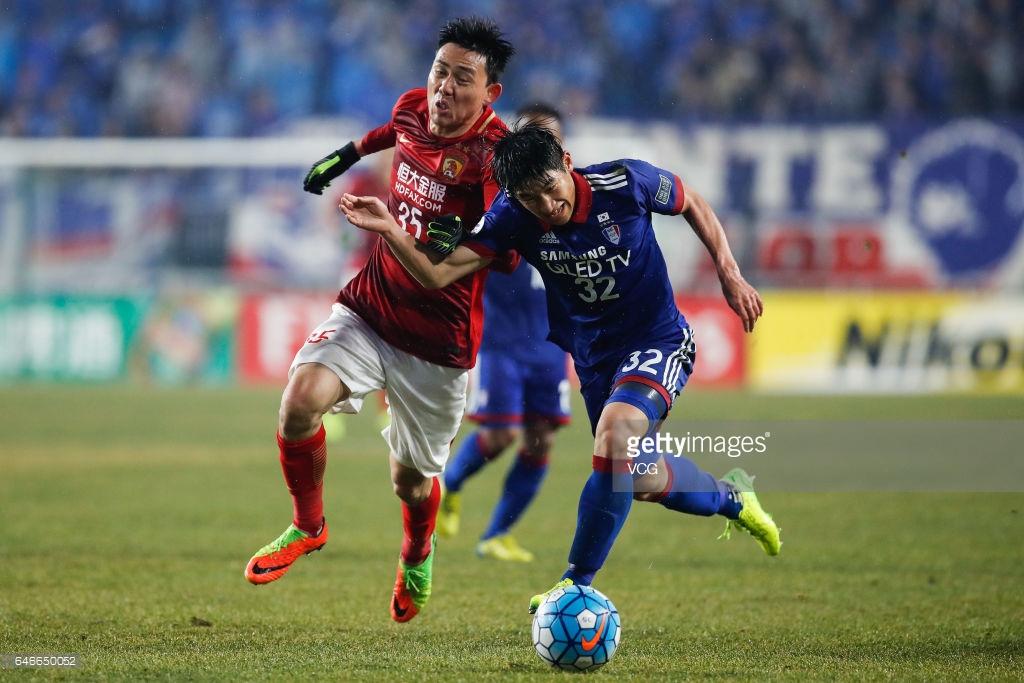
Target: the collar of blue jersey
(584, 200)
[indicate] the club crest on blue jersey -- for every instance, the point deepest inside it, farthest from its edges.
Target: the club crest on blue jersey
(612, 233)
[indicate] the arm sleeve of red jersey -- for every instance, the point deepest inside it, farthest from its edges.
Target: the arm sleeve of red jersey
(386, 136)
(378, 139)
(503, 262)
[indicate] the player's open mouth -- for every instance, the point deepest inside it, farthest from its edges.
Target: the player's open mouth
(441, 105)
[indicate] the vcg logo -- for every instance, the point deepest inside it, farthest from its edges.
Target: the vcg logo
(639, 467)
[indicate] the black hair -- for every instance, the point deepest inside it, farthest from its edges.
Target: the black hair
(541, 113)
(539, 110)
(525, 154)
(483, 37)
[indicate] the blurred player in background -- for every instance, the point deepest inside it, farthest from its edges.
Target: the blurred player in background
(519, 392)
(386, 330)
(611, 306)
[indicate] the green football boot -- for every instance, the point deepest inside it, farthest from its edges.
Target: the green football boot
(536, 600)
(753, 519)
(412, 586)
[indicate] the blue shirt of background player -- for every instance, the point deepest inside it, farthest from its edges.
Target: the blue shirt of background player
(515, 317)
(607, 283)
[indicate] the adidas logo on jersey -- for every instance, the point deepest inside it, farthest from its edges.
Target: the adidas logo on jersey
(548, 238)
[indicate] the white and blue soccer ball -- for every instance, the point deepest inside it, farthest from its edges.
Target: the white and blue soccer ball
(576, 628)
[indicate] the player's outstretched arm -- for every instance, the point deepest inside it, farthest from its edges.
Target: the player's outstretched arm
(740, 295)
(330, 167)
(431, 269)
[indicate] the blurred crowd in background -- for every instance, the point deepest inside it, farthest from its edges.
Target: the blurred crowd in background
(140, 68)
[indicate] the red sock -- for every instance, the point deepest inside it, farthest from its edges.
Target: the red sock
(668, 486)
(303, 463)
(418, 522)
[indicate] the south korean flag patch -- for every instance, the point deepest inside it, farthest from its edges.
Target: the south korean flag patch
(612, 233)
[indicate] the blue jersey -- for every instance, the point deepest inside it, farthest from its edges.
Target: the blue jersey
(516, 315)
(606, 279)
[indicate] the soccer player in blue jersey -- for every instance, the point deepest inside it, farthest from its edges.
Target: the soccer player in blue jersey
(588, 231)
(519, 391)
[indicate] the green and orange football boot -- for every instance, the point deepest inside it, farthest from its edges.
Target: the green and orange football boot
(412, 586)
(274, 559)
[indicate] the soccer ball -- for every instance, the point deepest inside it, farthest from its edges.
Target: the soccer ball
(576, 628)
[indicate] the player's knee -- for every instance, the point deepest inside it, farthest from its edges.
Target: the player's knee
(538, 438)
(498, 439)
(409, 484)
(310, 393)
(612, 439)
(410, 491)
(299, 416)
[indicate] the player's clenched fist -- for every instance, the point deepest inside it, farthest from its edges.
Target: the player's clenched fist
(329, 168)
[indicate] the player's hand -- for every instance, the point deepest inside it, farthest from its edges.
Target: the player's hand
(367, 213)
(444, 233)
(743, 299)
(330, 167)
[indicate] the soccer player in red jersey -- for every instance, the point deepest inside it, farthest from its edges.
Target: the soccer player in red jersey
(386, 331)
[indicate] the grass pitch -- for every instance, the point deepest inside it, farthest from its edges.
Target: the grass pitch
(128, 516)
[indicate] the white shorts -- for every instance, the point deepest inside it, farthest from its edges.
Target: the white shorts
(426, 401)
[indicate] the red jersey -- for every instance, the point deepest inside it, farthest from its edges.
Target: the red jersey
(430, 177)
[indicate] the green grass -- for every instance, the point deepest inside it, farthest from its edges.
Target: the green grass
(128, 515)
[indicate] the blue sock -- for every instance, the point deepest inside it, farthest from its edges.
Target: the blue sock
(732, 502)
(604, 506)
(521, 484)
(466, 462)
(695, 492)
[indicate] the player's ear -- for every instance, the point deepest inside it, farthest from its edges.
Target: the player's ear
(493, 92)
(567, 159)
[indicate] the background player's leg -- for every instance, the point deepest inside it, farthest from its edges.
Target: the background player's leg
(476, 450)
(520, 488)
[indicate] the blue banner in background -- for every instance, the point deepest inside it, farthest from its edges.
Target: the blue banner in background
(960, 188)
(864, 204)
(859, 205)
